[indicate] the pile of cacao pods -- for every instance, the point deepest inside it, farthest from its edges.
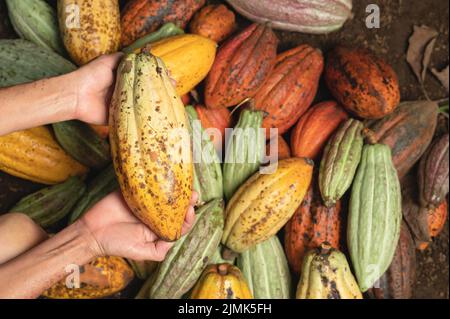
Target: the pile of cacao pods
(301, 199)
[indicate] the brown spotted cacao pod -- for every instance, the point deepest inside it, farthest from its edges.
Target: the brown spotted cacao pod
(215, 22)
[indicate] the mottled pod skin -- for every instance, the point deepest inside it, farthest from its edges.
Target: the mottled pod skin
(311, 225)
(101, 278)
(315, 127)
(223, 281)
(290, 88)
(433, 174)
(326, 275)
(265, 202)
(141, 17)
(398, 281)
(340, 161)
(363, 83)
(242, 64)
(150, 144)
(374, 215)
(266, 270)
(215, 22)
(406, 133)
(98, 31)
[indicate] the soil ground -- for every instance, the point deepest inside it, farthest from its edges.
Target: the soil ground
(389, 41)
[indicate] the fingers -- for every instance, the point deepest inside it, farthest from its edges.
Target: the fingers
(194, 198)
(111, 60)
(155, 251)
(188, 221)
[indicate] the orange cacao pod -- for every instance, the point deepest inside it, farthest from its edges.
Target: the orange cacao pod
(283, 150)
(215, 118)
(215, 22)
(242, 64)
(315, 127)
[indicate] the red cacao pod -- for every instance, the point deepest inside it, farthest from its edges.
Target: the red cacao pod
(363, 83)
(214, 22)
(140, 17)
(242, 64)
(314, 129)
(290, 88)
(215, 118)
(311, 225)
(283, 150)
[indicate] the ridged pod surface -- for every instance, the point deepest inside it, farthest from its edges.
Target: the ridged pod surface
(266, 270)
(315, 127)
(364, 84)
(326, 275)
(49, 205)
(215, 22)
(340, 161)
(89, 28)
(242, 65)
(244, 151)
(223, 281)
(398, 281)
(310, 226)
(219, 119)
(290, 88)
(317, 17)
(375, 214)
(433, 174)
(150, 145)
(35, 155)
(187, 259)
(407, 134)
(265, 202)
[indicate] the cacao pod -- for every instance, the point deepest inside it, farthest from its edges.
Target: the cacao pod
(311, 225)
(36, 21)
(218, 259)
(433, 174)
(214, 22)
(101, 186)
(241, 67)
(374, 215)
(437, 218)
(143, 269)
(222, 281)
(187, 259)
(49, 205)
(340, 161)
(101, 278)
(98, 31)
(407, 134)
(150, 145)
(208, 182)
(80, 141)
(305, 16)
(265, 202)
(266, 270)
(140, 17)
(290, 88)
(362, 83)
(244, 151)
(283, 150)
(398, 281)
(188, 58)
(326, 275)
(315, 127)
(23, 61)
(215, 119)
(34, 155)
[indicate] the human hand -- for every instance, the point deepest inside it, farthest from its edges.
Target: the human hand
(118, 232)
(94, 83)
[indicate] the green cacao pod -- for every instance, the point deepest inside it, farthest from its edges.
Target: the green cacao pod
(326, 275)
(143, 269)
(375, 215)
(22, 61)
(433, 174)
(340, 160)
(266, 270)
(218, 259)
(36, 21)
(190, 255)
(207, 170)
(49, 205)
(100, 186)
(244, 152)
(83, 143)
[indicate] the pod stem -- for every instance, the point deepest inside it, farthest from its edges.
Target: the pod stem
(228, 254)
(369, 135)
(325, 248)
(222, 269)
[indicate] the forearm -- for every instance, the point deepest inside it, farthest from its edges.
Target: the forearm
(33, 104)
(28, 275)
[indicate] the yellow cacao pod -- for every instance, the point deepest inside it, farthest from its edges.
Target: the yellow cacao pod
(35, 155)
(150, 144)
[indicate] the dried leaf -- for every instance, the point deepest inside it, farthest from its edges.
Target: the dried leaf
(421, 45)
(442, 76)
